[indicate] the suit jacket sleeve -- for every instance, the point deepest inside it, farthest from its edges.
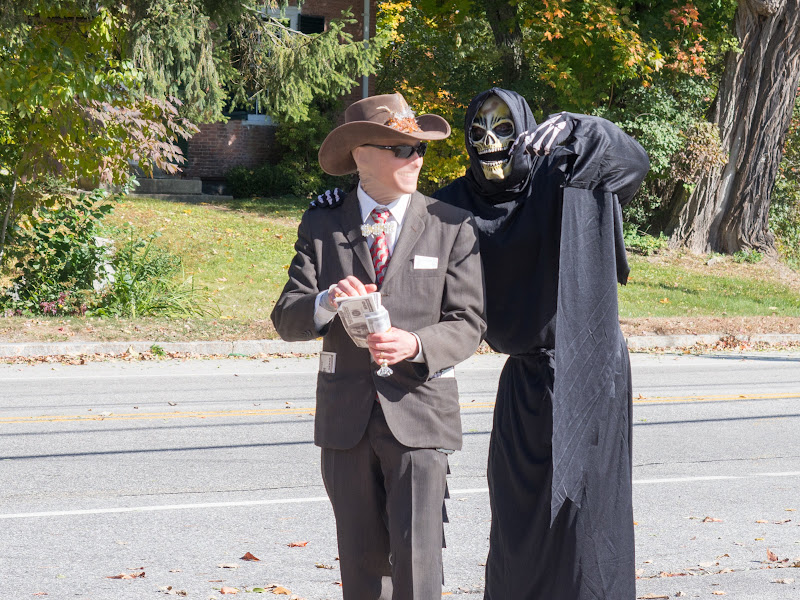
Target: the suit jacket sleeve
(462, 325)
(293, 315)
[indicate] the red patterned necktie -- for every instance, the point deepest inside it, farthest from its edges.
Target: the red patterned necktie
(380, 247)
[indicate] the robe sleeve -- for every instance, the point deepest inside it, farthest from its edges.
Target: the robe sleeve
(598, 155)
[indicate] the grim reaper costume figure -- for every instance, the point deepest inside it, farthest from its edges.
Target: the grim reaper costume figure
(547, 202)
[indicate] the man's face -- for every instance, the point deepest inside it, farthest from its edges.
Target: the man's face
(491, 134)
(390, 177)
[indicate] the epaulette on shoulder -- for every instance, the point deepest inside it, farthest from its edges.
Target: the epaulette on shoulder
(329, 199)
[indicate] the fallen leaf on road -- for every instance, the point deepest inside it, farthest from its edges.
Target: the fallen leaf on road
(762, 521)
(339, 583)
(280, 590)
(787, 580)
(297, 544)
(228, 590)
(322, 566)
(718, 593)
(653, 596)
(782, 522)
(228, 566)
(712, 520)
(126, 576)
(771, 556)
(249, 556)
(665, 574)
(680, 594)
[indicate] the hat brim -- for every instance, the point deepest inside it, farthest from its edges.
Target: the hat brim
(335, 154)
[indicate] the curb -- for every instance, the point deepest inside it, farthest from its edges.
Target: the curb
(255, 347)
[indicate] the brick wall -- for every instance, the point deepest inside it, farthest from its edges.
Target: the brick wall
(220, 146)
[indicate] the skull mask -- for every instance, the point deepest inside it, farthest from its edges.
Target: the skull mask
(491, 134)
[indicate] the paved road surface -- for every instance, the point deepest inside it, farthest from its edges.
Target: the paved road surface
(175, 468)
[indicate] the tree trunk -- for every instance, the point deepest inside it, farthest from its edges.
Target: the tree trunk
(502, 17)
(729, 208)
(4, 227)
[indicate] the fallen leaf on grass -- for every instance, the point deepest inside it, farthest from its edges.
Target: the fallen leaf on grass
(712, 520)
(249, 556)
(297, 544)
(126, 576)
(228, 590)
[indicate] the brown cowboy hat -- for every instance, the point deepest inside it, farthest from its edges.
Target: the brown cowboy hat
(385, 120)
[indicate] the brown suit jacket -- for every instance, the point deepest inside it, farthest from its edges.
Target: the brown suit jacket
(443, 306)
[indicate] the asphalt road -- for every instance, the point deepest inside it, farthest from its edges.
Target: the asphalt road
(176, 468)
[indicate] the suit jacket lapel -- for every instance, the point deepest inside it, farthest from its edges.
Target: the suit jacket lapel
(351, 226)
(413, 226)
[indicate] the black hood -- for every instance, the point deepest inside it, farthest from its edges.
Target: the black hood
(521, 164)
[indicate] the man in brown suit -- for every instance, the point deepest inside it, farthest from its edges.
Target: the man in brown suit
(385, 440)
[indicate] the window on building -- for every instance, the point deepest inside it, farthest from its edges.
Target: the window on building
(310, 24)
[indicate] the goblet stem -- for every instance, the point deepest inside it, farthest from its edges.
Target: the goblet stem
(385, 370)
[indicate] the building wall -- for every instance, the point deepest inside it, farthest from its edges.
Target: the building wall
(218, 147)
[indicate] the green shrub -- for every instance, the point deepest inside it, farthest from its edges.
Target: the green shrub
(266, 180)
(747, 256)
(148, 280)
(784, 219)
(642, 243)
(67, 265)
(60, 256)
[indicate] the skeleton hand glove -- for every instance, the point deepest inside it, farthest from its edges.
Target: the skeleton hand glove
(328, 199)
(553, 132)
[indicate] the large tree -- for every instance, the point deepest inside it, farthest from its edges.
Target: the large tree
(728, 210)
(69, 105)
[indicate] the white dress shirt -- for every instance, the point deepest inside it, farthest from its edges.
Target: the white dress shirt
(397, 212)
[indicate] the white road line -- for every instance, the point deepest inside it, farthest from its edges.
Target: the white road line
(101, 511)
(684, 479)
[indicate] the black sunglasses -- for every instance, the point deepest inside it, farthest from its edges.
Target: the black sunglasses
(404, 151)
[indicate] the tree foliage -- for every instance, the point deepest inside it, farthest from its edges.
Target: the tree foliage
(71, 105)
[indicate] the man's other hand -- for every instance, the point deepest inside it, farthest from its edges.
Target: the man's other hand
(392, 346)
(351, 286)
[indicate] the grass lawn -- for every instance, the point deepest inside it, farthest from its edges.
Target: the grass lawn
(672, 285)
(240, 251)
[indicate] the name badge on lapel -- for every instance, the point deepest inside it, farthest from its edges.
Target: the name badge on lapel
(426, 262)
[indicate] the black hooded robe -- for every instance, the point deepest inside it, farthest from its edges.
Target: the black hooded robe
(560, 453)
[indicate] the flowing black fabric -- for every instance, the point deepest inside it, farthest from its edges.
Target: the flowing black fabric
(560, 455)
